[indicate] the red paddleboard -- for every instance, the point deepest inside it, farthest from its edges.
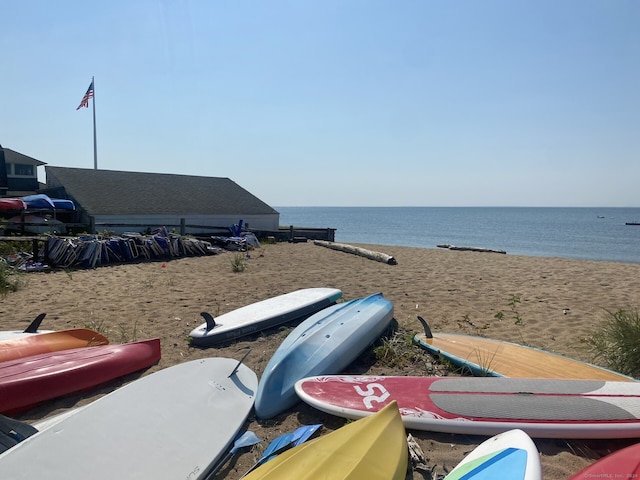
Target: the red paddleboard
(543, 408)
(29, 381)
(623, 464)
(49, 342)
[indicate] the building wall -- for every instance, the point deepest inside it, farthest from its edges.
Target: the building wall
(133, 223)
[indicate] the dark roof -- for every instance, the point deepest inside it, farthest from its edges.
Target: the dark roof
(11, 156)
(110, 192)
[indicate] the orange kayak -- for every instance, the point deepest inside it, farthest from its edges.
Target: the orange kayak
(16, 348)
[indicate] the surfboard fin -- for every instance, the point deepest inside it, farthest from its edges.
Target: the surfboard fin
(33, 326)
(209, 319)
(233, 372)
(425, 325)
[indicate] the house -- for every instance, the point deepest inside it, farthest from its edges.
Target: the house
(18, 173)
(121, 201)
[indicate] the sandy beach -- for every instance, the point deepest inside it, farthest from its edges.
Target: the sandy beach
(561, 303)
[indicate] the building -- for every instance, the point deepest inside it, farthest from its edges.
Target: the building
(121, 201)
(18, 173)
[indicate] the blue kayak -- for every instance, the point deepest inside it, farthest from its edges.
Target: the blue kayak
(325, 343)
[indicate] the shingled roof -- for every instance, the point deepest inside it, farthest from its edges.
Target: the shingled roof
(111, 192)
(11, 156)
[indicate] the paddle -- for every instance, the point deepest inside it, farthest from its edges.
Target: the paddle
(246, 439)
(285, 442)
(13, 432)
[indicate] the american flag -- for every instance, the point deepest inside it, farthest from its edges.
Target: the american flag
(87, 96)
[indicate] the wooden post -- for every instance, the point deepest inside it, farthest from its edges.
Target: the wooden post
(46, 251)
(183, 228)
(34, 248)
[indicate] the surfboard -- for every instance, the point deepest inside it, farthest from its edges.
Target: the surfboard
(175, 423)
(508, 455)
(262, 315)
(488, 357)
(373, 448)
(324, 343)
(26, 346)
(543, 408)
(32, 329)
(622, 464)
(25, 382)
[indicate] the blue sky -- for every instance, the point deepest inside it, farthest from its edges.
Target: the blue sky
(337, 102)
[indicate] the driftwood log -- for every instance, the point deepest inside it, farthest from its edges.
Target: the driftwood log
(470, 249)
(363, 252)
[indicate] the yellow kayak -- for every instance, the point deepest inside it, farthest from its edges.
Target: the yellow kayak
(374, 447)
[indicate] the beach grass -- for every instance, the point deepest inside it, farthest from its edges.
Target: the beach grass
(617, 341)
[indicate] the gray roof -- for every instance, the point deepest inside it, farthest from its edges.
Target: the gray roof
(11, 156)
(111, 192)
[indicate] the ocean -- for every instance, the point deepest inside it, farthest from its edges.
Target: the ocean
(581, 233)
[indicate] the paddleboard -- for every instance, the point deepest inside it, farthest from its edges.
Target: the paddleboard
(622, 464)
(543, 408)
(488, 357)
(372, 448)
(508, 455)
(25, 382)
(33, 328)
(16, 348)
(175, 423)
(325, 343)
(262, 315)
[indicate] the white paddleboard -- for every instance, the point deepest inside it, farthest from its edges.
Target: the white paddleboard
(508, 455)
(175, 423)
(262, 315)
(32, 329)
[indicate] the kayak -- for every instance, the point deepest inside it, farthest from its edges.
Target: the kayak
(371, 448)
(26, 346)
(325, 343)
(25, 382)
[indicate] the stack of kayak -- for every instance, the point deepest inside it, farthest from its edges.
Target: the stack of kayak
(39, 365)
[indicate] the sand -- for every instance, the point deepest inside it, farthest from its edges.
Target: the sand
(561, 302)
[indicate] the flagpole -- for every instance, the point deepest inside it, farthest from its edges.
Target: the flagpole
(95, 145)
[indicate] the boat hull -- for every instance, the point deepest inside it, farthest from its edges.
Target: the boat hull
(27, 382)
(325, 343)
(370, 449)
(26, 346)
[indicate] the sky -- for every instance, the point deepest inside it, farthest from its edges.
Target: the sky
(337, 102)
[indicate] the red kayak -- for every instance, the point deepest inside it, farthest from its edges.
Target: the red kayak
(12, 204)
(622, 464)
(28, 381)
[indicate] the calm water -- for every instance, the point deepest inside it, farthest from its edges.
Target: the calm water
(583, 233)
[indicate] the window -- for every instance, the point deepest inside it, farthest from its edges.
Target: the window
(23, 170)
